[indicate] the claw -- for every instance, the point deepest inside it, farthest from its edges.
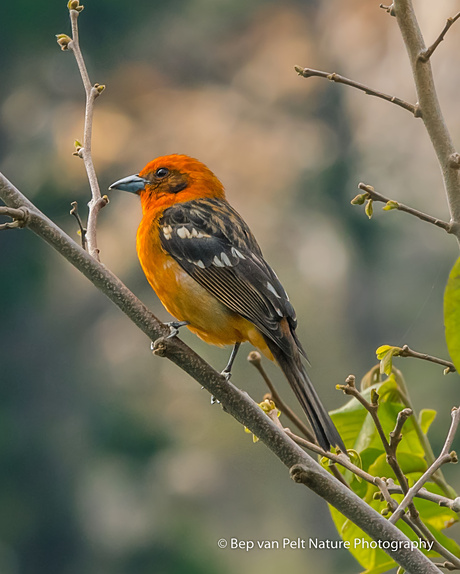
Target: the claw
(174, 327)
(226, 374)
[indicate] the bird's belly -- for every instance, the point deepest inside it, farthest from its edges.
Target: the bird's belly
(186, 300)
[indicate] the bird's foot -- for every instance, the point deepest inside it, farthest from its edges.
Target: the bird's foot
(214, 400)
(174, 327)
(227, 374)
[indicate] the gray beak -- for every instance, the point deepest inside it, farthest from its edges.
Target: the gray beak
(132, 183)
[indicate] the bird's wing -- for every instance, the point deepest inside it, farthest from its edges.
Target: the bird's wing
(214, 245)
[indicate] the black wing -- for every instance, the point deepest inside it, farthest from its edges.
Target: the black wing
(209, 239)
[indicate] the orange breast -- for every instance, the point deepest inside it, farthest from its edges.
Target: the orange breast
(185, 299)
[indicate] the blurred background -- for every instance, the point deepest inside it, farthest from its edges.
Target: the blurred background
(114, 461)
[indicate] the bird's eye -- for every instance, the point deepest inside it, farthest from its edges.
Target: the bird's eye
(161, 172)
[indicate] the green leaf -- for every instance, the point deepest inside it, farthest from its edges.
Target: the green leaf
(369, 209)
(385, 354)
(426, 417)
(360, 435)
(452, 314)
(407, 461)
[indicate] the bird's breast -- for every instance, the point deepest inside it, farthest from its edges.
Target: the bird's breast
(184, 298)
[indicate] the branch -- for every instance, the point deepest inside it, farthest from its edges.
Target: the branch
(452, 503)
(429, 103)
(372, 195)
(438, 477)
(254, 359)
(390, 447)
(97, 201)
(426, 54)
(309, 73)
(406, 351)
(443, 458)
(82, 229)
(385, 485)
(20, 217)
(237, 403)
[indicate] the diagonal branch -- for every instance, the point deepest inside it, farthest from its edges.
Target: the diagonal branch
(234, 401)
(444, 457)
(333, 77)
(426, 54)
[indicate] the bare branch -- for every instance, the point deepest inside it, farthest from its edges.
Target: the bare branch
(429, 103)
(406, 351)
(443, 458)
(97, 201)
(373, 195)
(438, 477)
(333, 77)
(234, 401)
(390, 447)
(452, 503)
(255, 359)
(395, 435)
(426, 54)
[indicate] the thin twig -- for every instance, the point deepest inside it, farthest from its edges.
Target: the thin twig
(392, 505)
(389, 9)
(333, 77)
(390, 448)
(97, 201)
(255, 359)
(436, 546)
(444, 501)
(20, 217)
(74, 212)
(406, 351)
(395, 435)
(444, 457)
(370, 193)
(438, 476)
(446, 565)
(389, 484)
(426, 54)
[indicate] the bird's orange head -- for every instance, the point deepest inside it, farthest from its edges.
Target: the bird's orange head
(171, 179)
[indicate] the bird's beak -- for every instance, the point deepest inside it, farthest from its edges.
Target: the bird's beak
(132, 183)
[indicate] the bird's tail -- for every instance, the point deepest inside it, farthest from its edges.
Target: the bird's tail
(291, 365)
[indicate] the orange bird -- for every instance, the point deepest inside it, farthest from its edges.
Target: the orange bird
(207, 268)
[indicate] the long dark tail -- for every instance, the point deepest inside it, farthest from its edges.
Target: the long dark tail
(291, 365)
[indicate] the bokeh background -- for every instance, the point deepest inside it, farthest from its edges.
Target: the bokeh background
(114, 461)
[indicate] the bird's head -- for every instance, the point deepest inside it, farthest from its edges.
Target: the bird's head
(172, 179)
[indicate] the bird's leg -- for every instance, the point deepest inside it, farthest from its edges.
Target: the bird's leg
(227, 372)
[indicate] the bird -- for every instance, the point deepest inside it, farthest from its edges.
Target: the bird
(207, 269)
